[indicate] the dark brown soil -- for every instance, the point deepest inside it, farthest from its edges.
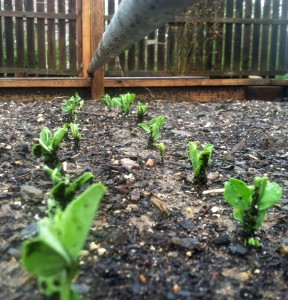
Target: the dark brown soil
(159, 239)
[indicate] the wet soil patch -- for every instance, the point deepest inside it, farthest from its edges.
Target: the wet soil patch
(159, 239)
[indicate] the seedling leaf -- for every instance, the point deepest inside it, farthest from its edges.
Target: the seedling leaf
(238, 194)
(78, 217)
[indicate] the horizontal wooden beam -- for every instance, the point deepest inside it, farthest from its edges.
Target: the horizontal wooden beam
(45, 82)
(186, 81)
(37, 15)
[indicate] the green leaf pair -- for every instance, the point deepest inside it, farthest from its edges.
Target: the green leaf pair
(154, 128)
(141, 110)
(251, 203)
(64, 191)
(49, 144)
(53, 256)
(124, 101)
(72, 105)
(200, 161)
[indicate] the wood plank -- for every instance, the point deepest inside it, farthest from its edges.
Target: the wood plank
(20, 36)
(151, 51)
(79, 37)
(9, 39)
(72, 37)
(182, 81)
(161, 49)
(283, 47)
(1, 41)
(237, 57)
(256, 38)
(62, 38)
(246, 53)
(41, 38)
(86, 36)
(274, 37)
(228, 36)
(44, 82)
(51, 37)
(30, 37)
(141, 55)
(265, 37)
(34, 71)
(97, 23)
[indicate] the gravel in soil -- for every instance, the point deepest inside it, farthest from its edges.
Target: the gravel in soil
(154, 237)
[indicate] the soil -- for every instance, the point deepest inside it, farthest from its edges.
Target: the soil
(154, 237)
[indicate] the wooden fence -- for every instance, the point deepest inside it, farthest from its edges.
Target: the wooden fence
(40, 37)
(216, 38)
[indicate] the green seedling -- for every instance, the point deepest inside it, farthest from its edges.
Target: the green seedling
(72, 105)
(53, 256)
(141, 110)
(251, 204)
(49, 144)
(108, 102)
(154, 128)
(124, 102)
(200, 161)
(64, 190)
(75, 133)
(161, 148)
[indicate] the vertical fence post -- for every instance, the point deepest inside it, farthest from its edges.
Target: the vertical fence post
(86, 36)
(97, 26)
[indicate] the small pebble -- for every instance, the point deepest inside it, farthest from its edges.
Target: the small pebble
(93, 246)
(8, 147)
(101, 251)
(214, 209)
(189, 253)
(176, 288)
(18, 163)
(40, 120)
(150, 163)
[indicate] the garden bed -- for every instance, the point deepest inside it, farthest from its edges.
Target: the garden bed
(154, 236)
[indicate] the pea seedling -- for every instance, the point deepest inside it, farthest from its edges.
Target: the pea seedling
(108, 101)
(75, 133)
(141, 110)
(64, 190)
(251, 204)
(124, 101)
(49, 144)
(161, 148)
(53, 256)
(154, 128)
(200, 161)
(72, 105)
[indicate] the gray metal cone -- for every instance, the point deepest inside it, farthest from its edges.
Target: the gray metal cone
(134, 20)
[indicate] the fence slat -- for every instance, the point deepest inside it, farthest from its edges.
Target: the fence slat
(228, 36)
(161, 49)
(265, 36)
(9, 39)
(20, 36)
(51, 37)
(141, 55)
(1, 41)
(151, 51)
(72, 37)
(283, 49)
(29, 6)
(62, 38)
(274, 36)
(237, 37)
(41, 34)
(247, 37)
(256, 37)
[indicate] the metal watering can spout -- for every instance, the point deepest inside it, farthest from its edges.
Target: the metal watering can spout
(134, 20)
